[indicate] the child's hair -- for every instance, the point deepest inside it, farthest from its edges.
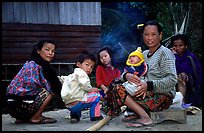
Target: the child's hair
(110, 52)
(84, 55)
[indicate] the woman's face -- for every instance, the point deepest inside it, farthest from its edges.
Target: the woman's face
(47, 52)
(179, 46)
(151, 36)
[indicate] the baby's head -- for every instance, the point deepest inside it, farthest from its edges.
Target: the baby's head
(86, 61)
(135, 58)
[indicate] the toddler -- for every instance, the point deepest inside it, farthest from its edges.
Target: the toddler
(77, 92)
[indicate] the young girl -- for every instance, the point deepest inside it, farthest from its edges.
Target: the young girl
(77, 92)
(106, 70)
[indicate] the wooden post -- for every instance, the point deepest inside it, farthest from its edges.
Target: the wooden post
(103, 122)
(100, 124)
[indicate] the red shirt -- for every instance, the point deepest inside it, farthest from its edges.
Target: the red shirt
(104, 75)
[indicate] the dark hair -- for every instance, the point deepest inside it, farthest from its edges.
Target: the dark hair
(110, 52)
(182, 37)
(153, 22)
(48, 72)
(39, 45)
(84, 55)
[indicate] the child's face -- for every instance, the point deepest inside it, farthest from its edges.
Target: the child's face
(105, 58)
(134, 59)
(87, 65)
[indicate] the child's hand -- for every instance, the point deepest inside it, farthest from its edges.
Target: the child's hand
(105, 91)
(95, 89)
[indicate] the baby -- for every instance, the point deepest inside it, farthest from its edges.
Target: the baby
(135, 65)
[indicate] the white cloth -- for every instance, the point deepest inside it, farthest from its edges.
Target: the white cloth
(177, 101)
(178, 98)
(62, 78)
(130, 87)
(76, 86)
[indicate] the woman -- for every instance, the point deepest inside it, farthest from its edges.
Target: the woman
(32, 89)
(158, 91)
(189, 71)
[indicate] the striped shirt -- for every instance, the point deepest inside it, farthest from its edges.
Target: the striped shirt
(162, 70)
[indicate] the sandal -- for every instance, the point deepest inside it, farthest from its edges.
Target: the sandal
(138, 124)
(192, 110)
(130, 118)
(21, 121)
(44, 117)
(44, 121)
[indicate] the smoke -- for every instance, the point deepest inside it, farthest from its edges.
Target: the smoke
(119, 30)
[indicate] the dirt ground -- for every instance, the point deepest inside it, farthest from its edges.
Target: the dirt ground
(194, 123)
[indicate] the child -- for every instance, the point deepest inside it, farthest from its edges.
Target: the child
(135, 65)
(77, 92)
(106, 70)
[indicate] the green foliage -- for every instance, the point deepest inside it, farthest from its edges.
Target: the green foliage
(168, 14)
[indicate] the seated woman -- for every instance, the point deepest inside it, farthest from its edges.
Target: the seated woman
(158, 91)
(32, 89)
(189, 71)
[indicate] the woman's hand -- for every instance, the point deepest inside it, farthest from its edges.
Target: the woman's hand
(142, 85)
(133, 78)
(142, 89)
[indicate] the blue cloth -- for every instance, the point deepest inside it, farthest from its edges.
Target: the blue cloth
(102, 93)
(140, 69)
(76, 109)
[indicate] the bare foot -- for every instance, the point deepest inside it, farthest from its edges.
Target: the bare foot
(130, 118)
(144, 121)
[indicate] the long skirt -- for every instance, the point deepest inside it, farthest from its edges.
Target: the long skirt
(24, 107)
(117, 94)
